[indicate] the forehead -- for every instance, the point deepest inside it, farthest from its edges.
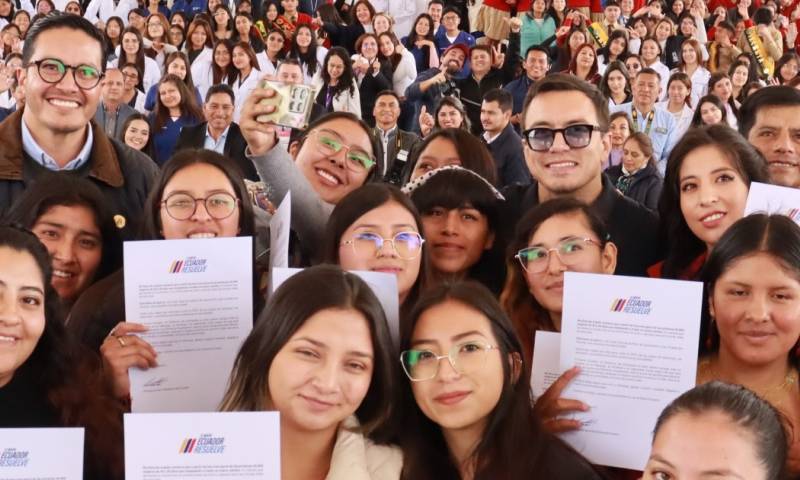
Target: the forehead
(647, 78)
(546, 109)
(557, 227)
(290, 69)
(778, 117)
(140, 124)
(445, 320)
(220, 97)
(349, 131)
(387, 99)
(71, 46)
(114, 74)
(198, 177)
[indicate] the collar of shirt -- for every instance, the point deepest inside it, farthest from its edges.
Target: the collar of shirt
(36, 152)
(490, 139)
(222, 137)
(386, 134)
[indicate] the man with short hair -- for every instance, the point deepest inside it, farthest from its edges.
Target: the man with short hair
(770, 121)
(452, 34)
(536, 65)
(626, 10)
(219, 132)
(435, 83)
(289, 71)
(112, 111)
(63, 61)
(654, 121)
(502, 140)
(564, 150)
(489, 69)
(136, 19)
(435, 9)
(394, 145)
(599, 31)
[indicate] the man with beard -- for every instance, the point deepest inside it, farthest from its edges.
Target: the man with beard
(771, 123)
(435, 83)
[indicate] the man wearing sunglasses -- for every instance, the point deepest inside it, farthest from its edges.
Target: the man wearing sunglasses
(565, 136)
(62, 68)
(656, 122)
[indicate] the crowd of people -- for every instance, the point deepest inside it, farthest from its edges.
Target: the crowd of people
(476, 152)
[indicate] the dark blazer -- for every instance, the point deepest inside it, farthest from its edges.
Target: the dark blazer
(398, 138)
(123, 112)
(195, 137)
(509, 158)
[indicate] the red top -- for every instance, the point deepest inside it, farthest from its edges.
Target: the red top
(692, 272)
(502, 5)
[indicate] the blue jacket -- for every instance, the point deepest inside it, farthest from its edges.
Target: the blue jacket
(519, 89)
(164, 140)
(190, 7)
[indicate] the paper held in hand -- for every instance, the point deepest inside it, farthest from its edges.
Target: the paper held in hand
(293, 104)
(188, 446)
(771, 199)
(635, 341)
(196, 298)
(41, 453)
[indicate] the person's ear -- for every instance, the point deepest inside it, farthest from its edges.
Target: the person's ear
(609, 258)
(489, 241)
(515, 362)
(711, 306)
(294, 149)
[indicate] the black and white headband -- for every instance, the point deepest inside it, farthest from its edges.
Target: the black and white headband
(409, 187)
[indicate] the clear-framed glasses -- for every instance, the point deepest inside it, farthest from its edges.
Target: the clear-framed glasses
(540, 139)
(570, 251)
(358, 161)
(52, 70)
(182, 206)
(467, 357)
(408, 245)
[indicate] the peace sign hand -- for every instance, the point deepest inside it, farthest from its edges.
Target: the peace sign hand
(499, 56)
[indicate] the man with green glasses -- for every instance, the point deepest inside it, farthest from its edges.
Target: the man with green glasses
(62, 66)
(335, 155)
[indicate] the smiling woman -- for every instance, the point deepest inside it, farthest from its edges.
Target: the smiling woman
(326, 363)
(70, 217)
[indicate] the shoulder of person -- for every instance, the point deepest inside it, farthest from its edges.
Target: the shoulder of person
(356, 457)
(132, 161)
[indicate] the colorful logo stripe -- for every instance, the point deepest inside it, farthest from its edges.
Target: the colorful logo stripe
(794, 213)
(188, 445)
(618, 304)
(175, 267)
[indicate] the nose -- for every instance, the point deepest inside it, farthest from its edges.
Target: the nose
(554, 264)
(67, 83)
(326, 377)
(559, 143)
(63, 250)
(200, 212)
(9, 314)
(784, 143)
(450, 225)
(339, 158)
(758, 308)
(387, 249)
(446, 371)
(708, 195)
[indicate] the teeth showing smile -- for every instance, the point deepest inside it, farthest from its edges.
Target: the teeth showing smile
(327, 176)
(62, 274)
(5, 339)
(712, 217)
(781, 164)
(63, 103)
(203, 235)
(562, 165)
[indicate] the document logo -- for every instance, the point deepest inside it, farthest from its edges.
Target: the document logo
(188, 265)
(794, 214)
(635, 305)
(11, 457)
(204, 444)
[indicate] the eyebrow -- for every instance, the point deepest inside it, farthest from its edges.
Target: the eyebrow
(568, 237)
(336, 134)
(394, 225)
(319, 344)
(454, 338)
(60, 225)
(718, 170)
(25, 287)
(187, 192)
(576, 121)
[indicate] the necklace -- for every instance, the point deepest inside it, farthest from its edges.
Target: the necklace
(707, 371)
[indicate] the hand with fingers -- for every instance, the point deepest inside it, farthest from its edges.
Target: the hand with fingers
(551, 408)
(260, 136)
(123, 349)
(426, 122)
(498, 55)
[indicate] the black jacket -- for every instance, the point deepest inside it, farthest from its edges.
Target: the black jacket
(645, 187)
(632, 227)
(369, 88)
(344, 35)
(195, 137)
(123, 174)
(399, 140)
(509, 158)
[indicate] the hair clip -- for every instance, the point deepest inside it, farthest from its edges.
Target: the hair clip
(409, 187)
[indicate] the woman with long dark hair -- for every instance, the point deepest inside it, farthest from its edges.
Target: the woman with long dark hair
(710, 111)
(176, 64)
(50, 382)
(175, 108)
(372, 74)
(494, 433)
(326, 362)
(310, 55)
(616, 84)
(338, 90)
(420, 42)
(132, 51)
(222, 23)
(710, 162)
(245, 77)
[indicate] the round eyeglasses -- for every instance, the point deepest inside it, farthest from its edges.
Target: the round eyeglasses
(408, 245)
(182, 206)
(467, 357)
(53, 71)
(570, 251)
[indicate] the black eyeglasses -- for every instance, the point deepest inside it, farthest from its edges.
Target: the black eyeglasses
(53, 71)
(540, 139)
(182, 206)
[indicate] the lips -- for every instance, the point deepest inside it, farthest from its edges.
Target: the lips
(316, 404)
(196, 235)
(564, 165)
(448, 247)
(63, 103)
(451, 398)
(8, 339)
(712, 219)
(328, 178)
(780, 164)
(63, 274)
